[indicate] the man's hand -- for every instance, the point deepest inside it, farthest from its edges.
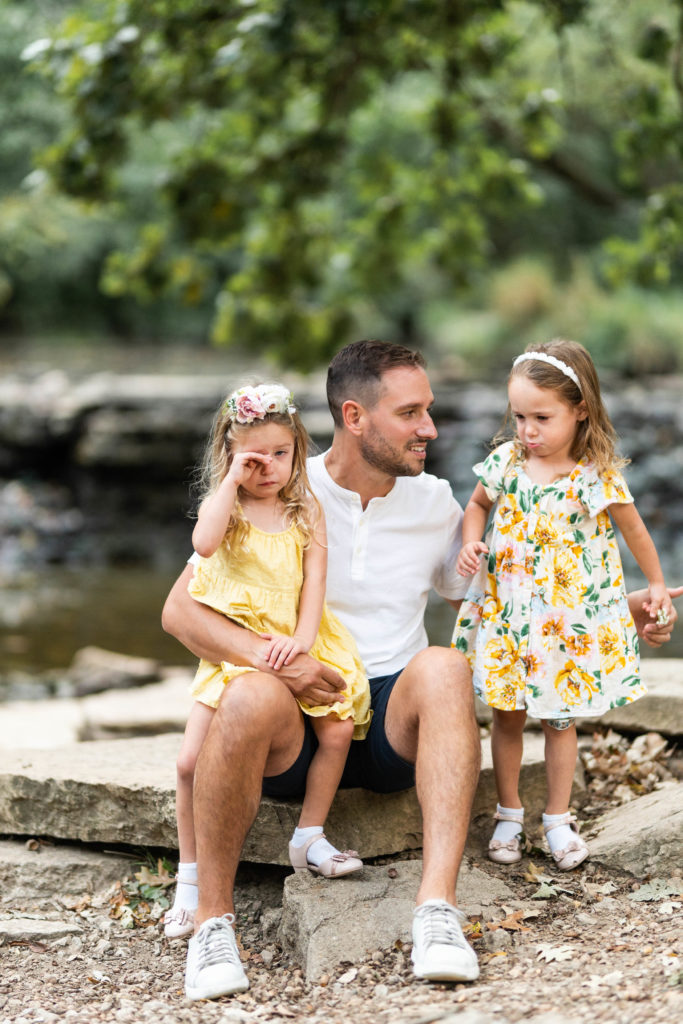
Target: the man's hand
(654, 634)
(305, 678)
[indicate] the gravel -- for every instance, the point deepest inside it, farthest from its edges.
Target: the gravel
(588, 952)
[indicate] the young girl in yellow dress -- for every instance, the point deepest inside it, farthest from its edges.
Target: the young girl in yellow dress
(260, 537)
(545, 624)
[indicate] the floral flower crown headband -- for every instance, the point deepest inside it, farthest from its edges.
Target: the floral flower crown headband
(543, 357)
(255, 403)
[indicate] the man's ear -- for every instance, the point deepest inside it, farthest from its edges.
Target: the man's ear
(352, 414)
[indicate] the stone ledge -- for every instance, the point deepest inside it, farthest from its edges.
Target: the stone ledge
(123, 791)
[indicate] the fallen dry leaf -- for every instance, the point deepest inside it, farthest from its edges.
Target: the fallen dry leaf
(511, 923)
(554, 953)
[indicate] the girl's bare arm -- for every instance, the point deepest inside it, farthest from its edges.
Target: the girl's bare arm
(627, 518)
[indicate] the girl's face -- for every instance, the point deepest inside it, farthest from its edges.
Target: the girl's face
(546, 424)
(276, 443)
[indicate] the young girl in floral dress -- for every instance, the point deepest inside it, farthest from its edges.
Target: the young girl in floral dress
(545, 624)
(260, 538)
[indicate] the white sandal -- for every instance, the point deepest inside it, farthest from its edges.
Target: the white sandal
(343, 863)
(575, 852)
(179, 921)
(507, 851)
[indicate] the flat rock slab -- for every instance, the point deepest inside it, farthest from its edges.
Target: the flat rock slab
(29, 929)
(644, 837)
(139, 711)
(123, 791)
(325, 923)
(31, 877)
(660, 710)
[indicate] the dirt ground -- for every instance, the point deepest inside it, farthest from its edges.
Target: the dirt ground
(589, 945)
(589, 951)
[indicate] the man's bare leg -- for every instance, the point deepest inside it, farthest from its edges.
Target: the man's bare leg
(430, 721)
(257, 730)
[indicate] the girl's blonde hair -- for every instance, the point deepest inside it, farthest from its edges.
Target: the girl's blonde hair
(596, 438)
(302, 508)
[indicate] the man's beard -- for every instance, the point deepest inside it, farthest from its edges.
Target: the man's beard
(379, 454)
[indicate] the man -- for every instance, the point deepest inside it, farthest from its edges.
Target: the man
(393, 534)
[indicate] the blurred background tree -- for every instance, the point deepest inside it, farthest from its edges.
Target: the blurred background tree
(295, 172)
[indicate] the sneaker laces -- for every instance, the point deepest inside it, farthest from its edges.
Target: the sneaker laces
(441, 927)
(216, 942)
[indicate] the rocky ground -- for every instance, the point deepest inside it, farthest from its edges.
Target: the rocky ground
(582, 946)
(594, 944)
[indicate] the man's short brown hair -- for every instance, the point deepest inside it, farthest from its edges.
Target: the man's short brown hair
(356, 371)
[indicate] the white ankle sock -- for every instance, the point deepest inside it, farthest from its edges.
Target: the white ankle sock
(505, 830)
(317, 852)
(557, 838)
(186, 896)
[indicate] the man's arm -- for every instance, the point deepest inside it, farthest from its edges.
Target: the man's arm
(213, 636)
(650, 631)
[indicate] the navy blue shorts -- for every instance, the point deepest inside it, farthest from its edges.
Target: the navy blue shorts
(372, 763)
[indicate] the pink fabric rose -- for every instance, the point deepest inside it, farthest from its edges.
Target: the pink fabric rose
(249, 407)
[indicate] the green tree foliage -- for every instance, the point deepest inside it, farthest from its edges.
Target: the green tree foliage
(305, 165)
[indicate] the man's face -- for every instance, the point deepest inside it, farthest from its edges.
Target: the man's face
(396, 429)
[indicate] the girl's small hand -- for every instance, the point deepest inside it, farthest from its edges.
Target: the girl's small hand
(244, 465)
(658, 603)
(282, 649)
(469, 557)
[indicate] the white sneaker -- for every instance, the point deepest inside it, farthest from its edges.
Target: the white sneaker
(213, 965)
(440, 950)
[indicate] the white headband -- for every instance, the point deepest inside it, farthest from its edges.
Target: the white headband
(545, 358)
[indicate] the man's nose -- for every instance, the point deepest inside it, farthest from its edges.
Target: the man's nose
(427, 428)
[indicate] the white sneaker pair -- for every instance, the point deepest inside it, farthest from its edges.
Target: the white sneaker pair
(213, 965)
(440, 950)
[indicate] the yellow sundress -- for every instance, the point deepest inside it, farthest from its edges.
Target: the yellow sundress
(258, 586)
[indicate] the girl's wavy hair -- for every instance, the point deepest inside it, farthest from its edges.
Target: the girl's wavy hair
(302, 508)
(596, 438)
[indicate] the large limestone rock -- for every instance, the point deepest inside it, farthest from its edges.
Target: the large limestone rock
(38, 875)
(326, 923)
(124, 791)
(644, 837)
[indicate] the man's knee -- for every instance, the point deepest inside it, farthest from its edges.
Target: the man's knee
(256, 698)
(442, 671)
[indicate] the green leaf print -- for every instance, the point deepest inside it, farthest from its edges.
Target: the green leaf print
(587, 561)
(605, 584)
(512, 489)
(535, 691)
(523, 503)
(525, 630)
(620, 701)
(573, 517)
(578, 627)
(579, 537)
(461, 644)
(464, 623)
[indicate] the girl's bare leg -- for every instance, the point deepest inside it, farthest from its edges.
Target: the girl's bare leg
(560, 763)
(506, 750)
(196, 729)
(325, 772)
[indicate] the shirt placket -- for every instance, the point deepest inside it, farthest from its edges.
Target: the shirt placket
(359, 547)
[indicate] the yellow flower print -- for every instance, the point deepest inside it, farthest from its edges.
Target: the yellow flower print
(614, 488)
(534, 665)
(611, 649)
(492, 606)
(579, 644)
(510, 518)
(566, 584)
(546, 532)
(574, 686)
(552, 627)
(501, 694)
(506, 563)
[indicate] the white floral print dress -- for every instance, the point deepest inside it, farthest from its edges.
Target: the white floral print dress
(545, 624)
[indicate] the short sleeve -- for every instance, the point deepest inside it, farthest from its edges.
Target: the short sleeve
(597, 491)
(491, 472)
